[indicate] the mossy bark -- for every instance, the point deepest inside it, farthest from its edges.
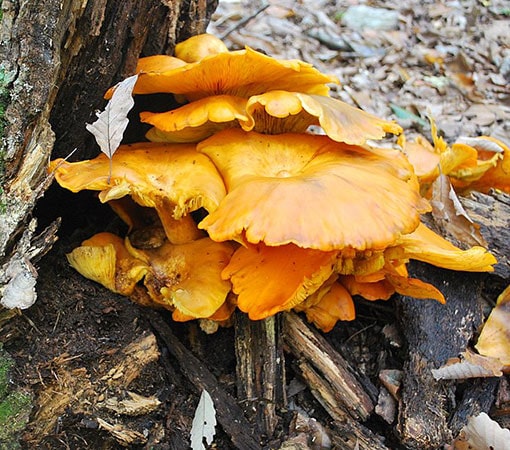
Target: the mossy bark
(57, 59)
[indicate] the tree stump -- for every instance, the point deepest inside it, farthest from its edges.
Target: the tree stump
(58, 58)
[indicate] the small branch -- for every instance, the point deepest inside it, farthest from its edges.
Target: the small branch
(260, 369)
(328, 374)
(242, 22)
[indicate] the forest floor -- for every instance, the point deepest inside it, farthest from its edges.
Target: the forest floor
(104, 373)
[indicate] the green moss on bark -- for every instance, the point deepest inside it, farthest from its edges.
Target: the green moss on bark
(15, 406)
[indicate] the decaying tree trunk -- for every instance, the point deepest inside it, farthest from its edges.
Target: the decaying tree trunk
(57, 60)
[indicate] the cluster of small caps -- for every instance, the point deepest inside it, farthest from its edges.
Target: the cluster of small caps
(293, 220)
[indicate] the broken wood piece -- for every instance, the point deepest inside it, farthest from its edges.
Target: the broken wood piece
(230, 416)
(132, 405)
(478, 397)
(331, 378)
(77, 391)
(349, 435)
(124, 436)
(260, 370)
(135, 357)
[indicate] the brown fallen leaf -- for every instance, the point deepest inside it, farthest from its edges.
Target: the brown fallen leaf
(469, 365)
(494, 340)
(451, 216)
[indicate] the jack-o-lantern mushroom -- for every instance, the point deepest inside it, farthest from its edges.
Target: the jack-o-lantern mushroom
(187, 277)
(175, 180)
(320, 218)
(273, 112)
(196, 120)
(329, 304)
(272, 279)
(241, 73)
(481, 163)
(310, 191)
(198, 47)
(104, 258)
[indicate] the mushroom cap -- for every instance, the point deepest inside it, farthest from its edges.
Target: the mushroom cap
(273, 112)
(369, 289)
(272, 279)
(424, 158)
(310, 191)
(158, 63)
(222, 314)
(187, 276)
(241, 73)
(425, 245)
(198, 47)
(396, 274)
(104, 258)
(174, 179)
(197, 120)
(341, 121)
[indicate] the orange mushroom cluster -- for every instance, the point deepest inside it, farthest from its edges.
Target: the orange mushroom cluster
(293, 219)
(479, 164)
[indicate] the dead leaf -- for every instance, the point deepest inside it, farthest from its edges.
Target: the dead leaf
(110, 125)
(494, 340)
(204, 422)
(481, 143)
(483, 433)
(451, 216)
(469, 365)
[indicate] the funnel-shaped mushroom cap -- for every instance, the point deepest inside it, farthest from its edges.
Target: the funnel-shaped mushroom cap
(103, 258)
(396, 274)
(329, 304)
(174, 179)
(425, 245)
(187, 276)
(272, 279)
(197, 120)
(222, 314)
(241, 73)
(381, 285)
(340, 121)
(198, 47)
(310, 191)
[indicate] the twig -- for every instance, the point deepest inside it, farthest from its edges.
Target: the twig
(242, 22)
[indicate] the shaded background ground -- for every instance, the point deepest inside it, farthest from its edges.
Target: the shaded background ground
(81, 346)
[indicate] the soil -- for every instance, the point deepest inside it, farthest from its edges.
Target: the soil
(80, 350)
